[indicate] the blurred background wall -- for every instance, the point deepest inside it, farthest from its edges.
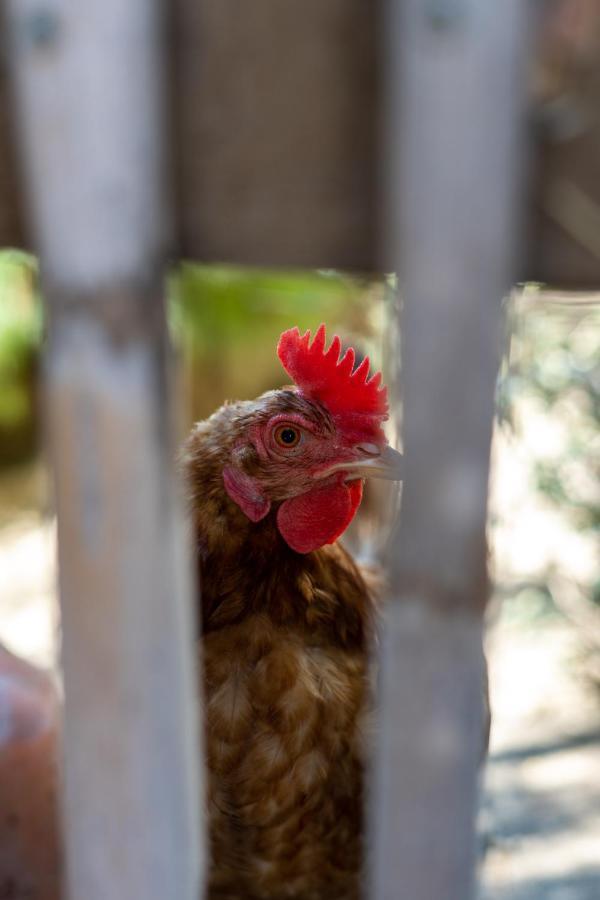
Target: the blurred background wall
(282, 169)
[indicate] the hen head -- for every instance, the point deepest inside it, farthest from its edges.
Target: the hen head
(306, 451)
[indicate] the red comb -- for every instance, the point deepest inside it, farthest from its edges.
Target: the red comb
(323, 376)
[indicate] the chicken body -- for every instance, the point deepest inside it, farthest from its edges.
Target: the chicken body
(286, 638)
(286, 700)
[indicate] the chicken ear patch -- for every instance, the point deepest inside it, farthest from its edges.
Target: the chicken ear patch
(243, 490)
(318, 517)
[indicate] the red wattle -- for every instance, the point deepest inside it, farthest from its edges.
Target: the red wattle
(318, 517)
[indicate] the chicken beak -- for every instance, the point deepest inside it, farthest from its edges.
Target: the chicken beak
(387, 464)
(374, 462)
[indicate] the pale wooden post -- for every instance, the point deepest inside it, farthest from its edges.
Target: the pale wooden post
(89, 85)
(454, 89)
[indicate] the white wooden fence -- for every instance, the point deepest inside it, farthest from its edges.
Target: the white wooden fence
(90, 86)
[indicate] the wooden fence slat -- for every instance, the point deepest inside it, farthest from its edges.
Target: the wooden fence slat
(454, 100)
(88, 78)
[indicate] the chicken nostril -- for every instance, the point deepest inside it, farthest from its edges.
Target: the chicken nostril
(370, 449)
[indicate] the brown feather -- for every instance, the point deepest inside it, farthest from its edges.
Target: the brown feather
(285, 648)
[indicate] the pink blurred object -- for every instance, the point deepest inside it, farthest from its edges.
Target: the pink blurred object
(29, 833)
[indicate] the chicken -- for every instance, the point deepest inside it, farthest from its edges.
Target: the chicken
(29, 842)
(287, 621)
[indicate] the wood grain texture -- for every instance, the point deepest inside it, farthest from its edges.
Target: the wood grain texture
(132, 798)
(454, 151)
(88, 77)
(89, 82)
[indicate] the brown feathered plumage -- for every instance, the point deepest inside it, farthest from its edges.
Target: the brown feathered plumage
(286, 637)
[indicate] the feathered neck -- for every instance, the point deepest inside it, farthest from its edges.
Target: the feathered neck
(247, 568)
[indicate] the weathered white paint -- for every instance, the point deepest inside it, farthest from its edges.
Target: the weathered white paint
(90, 101)
(455, 103)
(88, 79)
(131, 746)
(455, 77)
(429, 744)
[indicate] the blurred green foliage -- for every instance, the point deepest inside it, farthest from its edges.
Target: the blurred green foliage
(217, 305)
(551, 377)
(20, 338)
(224, 322)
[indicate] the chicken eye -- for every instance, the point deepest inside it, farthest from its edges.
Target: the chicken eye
(286, 436)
